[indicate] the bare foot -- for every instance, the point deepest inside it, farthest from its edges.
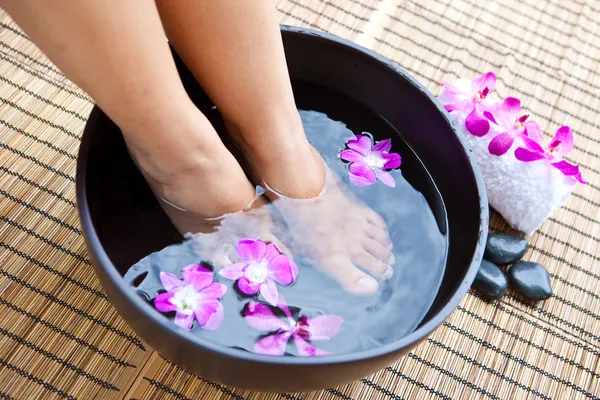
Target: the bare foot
(328, 225)
(203, 189)
(337, 233)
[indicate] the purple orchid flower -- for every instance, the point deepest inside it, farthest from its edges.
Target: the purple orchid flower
(368, 162)
(196, 296)
(262, 266)
(557, 149)
(470, 97)
(512, 124)
(260, 317)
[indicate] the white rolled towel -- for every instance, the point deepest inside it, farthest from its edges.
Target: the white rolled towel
(524, 191)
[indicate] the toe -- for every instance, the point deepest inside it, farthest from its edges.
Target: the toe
(375, 219)
(349, 277)
(379, 235)
(378, 250)
(378, 268)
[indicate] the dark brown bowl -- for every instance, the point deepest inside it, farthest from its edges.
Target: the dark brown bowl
(122, 222)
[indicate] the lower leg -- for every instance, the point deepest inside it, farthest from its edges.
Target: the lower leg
(235, 50)
(117, 52)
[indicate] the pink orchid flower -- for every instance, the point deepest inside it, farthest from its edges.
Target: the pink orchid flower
(260, 317)
(558, 148)
(196, 296)
(470, 97)
(509, 120)
(262, 266)
(368, 162)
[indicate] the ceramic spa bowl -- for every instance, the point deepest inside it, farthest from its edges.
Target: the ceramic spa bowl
(122, 222)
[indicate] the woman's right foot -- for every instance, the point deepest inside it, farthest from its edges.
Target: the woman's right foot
(327, 224)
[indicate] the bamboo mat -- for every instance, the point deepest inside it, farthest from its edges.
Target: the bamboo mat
(61, 338)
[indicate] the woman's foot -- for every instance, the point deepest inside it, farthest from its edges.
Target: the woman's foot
(327, 225)
(201, 186)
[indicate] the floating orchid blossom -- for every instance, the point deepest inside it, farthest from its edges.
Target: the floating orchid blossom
(368, 162)
(260, 317)
(262, 265)
(512, 124)
(470, 97)
(196, 296)
(557, 149)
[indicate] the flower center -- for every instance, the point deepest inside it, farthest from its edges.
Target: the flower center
(482, 94)
(374, 161)
(258, 272)
(301, 325)
(185, 299)
(520, 121)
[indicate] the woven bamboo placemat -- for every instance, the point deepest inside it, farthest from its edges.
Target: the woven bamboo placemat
(61, 338)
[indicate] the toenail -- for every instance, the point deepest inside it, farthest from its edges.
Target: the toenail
(391, 260)
(368, 283)
(389, 272)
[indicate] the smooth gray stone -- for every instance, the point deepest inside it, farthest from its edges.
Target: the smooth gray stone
(490, 280)
(531, 279)
(503, 249)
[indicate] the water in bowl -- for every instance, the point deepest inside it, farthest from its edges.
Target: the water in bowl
(413, 211)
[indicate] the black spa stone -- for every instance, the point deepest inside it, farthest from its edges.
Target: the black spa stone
(490, 280)
(503, 249)
(530, 279)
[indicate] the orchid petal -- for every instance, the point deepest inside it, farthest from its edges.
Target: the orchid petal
(459, 106)
(163, 303)
(214, 291)
(273, 345)
(272, 252)
(233, 271)
(383, 145)
(306, 349)
(248, 287)
(215, 320)
(475, 125)
(563, 142)
(490, 116)
(198, 276)
(566, 168)
(392, 160)
(282, 305)
(579, 178)
(259, 316)
(269, 291)
(533, 131)
(485, 81)
(251, 249)
(501, 144)
(532, 144)
(283, 270)
(184, 321)
(526, 155)
(361, 143)
(361, 174)
(170, 281)
(511, 105)
(351, 155)
(205, 309)
(323, 327)
(385, 177)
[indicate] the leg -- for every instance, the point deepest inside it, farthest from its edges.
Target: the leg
(234, 49)
(117, 52)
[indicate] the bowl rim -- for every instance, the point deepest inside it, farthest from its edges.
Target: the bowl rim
(147, 311)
